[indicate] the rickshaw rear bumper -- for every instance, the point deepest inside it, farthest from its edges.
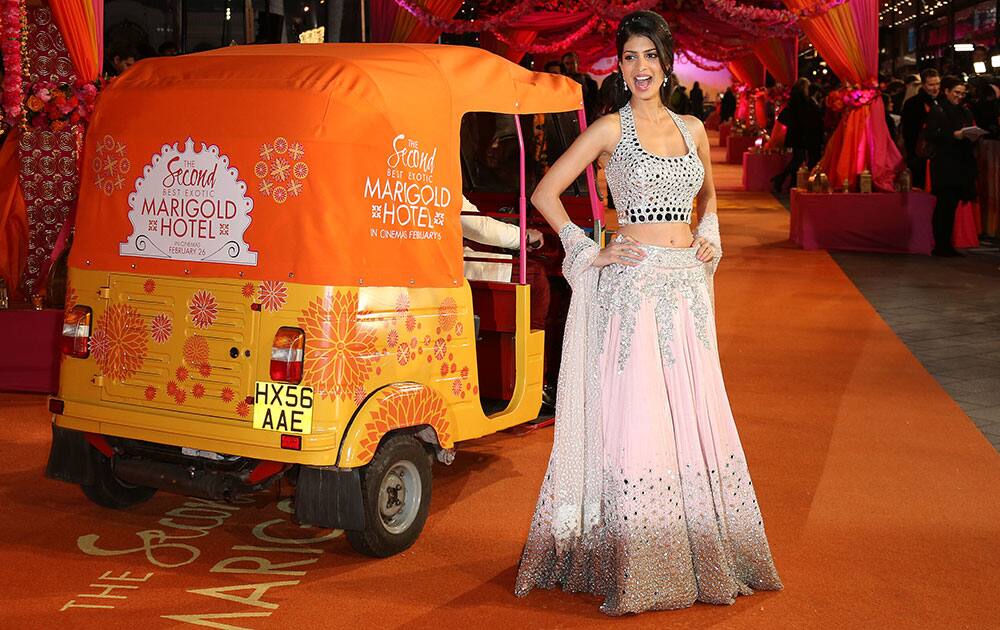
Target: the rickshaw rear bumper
(196, 432)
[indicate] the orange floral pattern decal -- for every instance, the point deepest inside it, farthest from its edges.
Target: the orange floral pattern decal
(405, 409)
(248, 290)
(110, 165)
(203, 308)
(196, 353)
(340, 352)
(149, 286)
(119, 342)
(281, 169)
(273, 294)
(447, 314)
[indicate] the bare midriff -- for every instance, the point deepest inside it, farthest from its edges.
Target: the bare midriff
(660, 234)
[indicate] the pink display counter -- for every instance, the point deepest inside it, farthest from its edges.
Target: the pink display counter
(759, 168)
(736, 146)
(30, 358)
(873, 222)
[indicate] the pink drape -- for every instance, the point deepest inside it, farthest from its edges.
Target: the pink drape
(847, 38)
(548, 25)
(780, 57)
(391, 23)
(77, 22)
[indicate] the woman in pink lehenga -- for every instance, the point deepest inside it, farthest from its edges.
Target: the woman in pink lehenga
(647, 500)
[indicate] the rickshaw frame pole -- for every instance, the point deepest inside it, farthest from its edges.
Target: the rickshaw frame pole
(522, 203)
(595, 204)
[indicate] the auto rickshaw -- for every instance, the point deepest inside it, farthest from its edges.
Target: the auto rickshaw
(266, 281)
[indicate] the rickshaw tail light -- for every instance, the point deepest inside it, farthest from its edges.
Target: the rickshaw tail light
(287, 355)
(76, 332)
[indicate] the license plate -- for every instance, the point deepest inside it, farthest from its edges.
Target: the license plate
(283, 407)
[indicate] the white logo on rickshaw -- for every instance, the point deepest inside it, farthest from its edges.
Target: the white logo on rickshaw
(190, 205)
(406, 205)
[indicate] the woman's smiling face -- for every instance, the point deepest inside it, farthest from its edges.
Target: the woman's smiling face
(641, 67)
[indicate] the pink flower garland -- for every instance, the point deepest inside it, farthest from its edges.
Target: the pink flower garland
(465, 26)
(601, 8)
(700, 63)
(12, 18)
(561, 45)
(763, 22)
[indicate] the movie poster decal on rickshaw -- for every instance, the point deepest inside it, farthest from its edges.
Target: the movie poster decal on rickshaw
(405, 203)
(190, 205)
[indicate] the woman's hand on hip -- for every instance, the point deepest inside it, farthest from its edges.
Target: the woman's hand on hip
(623, 250)
(706, 250)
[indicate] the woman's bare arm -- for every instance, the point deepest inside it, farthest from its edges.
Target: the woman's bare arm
(599, 138)
(706, 201)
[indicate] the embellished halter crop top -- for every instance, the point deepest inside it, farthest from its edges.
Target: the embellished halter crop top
(650, 188)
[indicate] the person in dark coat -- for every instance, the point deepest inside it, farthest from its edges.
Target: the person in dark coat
(953, 163)
(591, 94)
(804, 135)
(697, 101)
(728, 107)
(982, 102)
(914, 115)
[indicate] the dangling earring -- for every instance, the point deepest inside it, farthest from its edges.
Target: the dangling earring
(624, 82)
(666, 80)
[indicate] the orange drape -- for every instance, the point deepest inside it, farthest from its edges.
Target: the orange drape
(847, 38)
(391, 23)
(13, 217)
(780, 57)
(77, 23)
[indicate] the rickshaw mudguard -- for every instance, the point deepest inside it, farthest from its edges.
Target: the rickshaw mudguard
(69, 457)
(394, 407)
(329, 497)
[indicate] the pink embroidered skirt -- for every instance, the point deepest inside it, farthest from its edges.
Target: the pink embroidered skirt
(679, 520)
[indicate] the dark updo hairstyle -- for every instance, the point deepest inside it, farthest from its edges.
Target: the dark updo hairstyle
(951, 82)
(644, 24)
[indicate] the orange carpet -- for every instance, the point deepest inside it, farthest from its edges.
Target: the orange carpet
(880, 497)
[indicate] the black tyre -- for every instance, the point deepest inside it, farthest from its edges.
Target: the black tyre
(396, 490)
(109, 491)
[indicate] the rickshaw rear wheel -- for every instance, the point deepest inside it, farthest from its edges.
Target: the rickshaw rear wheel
(108, 490)
(396, 490)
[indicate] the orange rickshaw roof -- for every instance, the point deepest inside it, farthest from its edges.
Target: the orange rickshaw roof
(334, 164)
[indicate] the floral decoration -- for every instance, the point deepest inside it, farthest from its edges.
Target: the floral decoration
(203, 308)
(119, 342)
(272, 295)
(281, 169)
(110, 166)
(340, 350)
(56, 106)
(195, 351)
(161, 327)
(405, 409)
(13, 28)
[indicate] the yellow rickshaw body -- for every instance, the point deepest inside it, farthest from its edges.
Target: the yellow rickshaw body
(230, 194)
